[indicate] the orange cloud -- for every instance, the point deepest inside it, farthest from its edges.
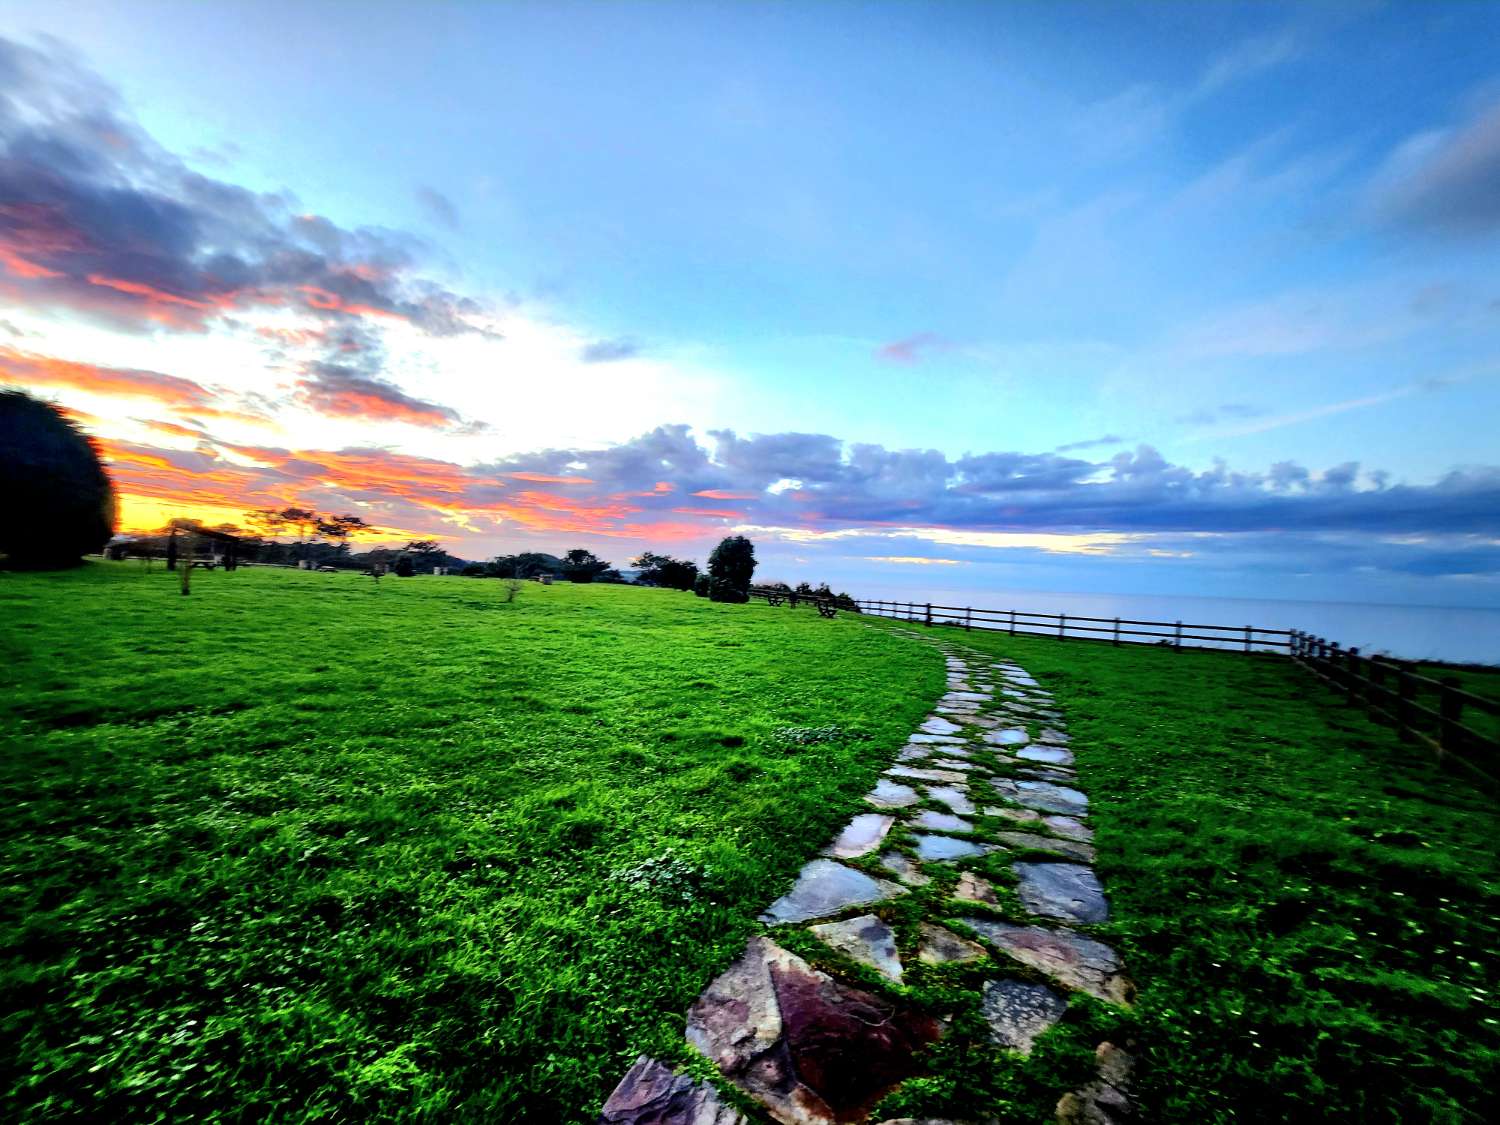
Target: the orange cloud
(543, 478)
(29, 369)
(721, 494)
(717, 513)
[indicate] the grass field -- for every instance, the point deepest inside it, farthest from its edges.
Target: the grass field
(300, 847)
(1311, 907)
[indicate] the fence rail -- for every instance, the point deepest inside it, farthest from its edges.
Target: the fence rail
(1422, 709)
(1064, 625)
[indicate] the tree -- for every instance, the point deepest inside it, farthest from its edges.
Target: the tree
(700, 585)
(405, 568)
(664, 570)
(339, 528)
(730, 568)
(582, 566)
(59, 502)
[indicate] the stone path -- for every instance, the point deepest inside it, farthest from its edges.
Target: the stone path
(987, 777)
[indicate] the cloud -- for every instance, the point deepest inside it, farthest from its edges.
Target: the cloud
(1090, 443)
(439, 207)
(343, 392)
(608, 351)
(183, 397)
(912, 349)
(1208, 415)
(99, 220)
(1003, 501)
(1247, 59)
(1446, 181)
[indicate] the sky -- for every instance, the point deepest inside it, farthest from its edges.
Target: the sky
(1161, 298)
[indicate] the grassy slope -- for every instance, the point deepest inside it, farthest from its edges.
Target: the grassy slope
(1311, 907)
(300, 846)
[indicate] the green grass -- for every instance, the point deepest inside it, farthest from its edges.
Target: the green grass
(1311, 907)
(303, 847)
(299, 847)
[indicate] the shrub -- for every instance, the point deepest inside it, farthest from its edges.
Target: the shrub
(475, 570)
(700, 585)
(722, 590)
(60, 502)
(405, 568)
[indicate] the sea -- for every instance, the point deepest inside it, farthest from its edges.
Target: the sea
(1408, 632)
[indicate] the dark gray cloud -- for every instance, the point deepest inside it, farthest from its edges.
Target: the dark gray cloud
(98, 219)
(1449, 184)
(608, 351)
(834, 485)
(440, 209)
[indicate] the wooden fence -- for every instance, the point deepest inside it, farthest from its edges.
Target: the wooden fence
(1422, 709)
(1063, 625)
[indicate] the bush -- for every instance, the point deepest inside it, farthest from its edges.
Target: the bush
(722, 590)
(664, 570)
(700, 585)
(405, 568)
(60, 502)
(475, 570)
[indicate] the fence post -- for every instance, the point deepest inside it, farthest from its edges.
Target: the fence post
(1336, 663)
(1062, 625)
(1117, 631)
(1406, 688)
(1177, 637)
(1451, 708)
(968, 619)
(1248, 630)
(1012, 623)
(928, 618)
(1354, 687)
(1377, 678)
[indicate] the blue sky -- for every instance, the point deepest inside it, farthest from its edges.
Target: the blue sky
(1240, 234)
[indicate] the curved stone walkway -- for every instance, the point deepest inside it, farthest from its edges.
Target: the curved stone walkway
(990, 771)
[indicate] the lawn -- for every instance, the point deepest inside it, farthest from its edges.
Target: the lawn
(304, 847)
(1311, 907)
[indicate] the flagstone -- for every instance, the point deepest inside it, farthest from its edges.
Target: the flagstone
(930, 775)
(1018, 1012)
(889, 795)
(955, 799)
(1011, 736)
(865, 939)
(942, 822)
(1012, 814)
(1070, 827)
(824, 887)
(1069, 958)
(975, 888)
(946, 848)
(944, 947)
(1043, 796)
(1069, 891)
(1052, 735)
(1070, 848)
(900, 865)
(653, 1094)
(811, 1050)
(936, 739)
(939, 725)
(1053, 755)
(861, 836)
